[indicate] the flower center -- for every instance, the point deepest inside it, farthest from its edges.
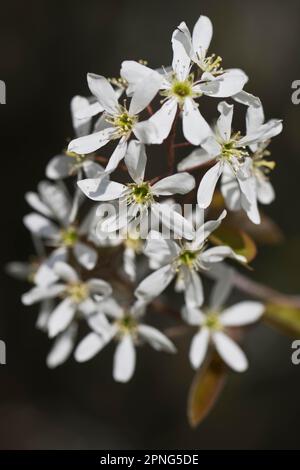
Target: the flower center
(78, 292)
(211, 64)
(188, 258)
(230, 149)
(123, 123)
(140, 194)
(69, 236)
(181, 89)
(135, 244)
(126, 325)
(212, 322)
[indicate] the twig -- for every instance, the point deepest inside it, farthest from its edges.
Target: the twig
(182, 144)
(170, 142)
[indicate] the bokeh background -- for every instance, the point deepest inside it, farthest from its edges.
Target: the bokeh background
(46, 48)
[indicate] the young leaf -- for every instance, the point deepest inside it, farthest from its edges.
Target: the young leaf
(284, 317)
(205, 389)
(238, 240)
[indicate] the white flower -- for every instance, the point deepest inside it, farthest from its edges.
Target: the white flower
(181, 88)
(118, 122)
(138, 199)
(125, 327)
(229, 151)
(71, 163)
(77, 296)
(212, 327)
(53, 203)
(258, 167)
(183, 261)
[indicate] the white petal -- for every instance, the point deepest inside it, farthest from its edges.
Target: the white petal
(65, 272)
(100, 287)
(247, 99)
(59, 166)
(202, 34)
(207, 185)
(40, 226)
(193, 315)
(199, 347)
(92, 169)
(57, 199)
(230, 189)
(61, 317)
(180, 183)
(129, 263)
(181, 56)
(196, 158)
(62, 347)
(230, 352)
(225, 120)
(85, 255)
(221, 290)
(88, 111)
(117, 155)
(156, 338)
(104, 92)
(81, 126)
(37, 204)
(154, 284)
(135, 74)
(45, 274)
(91, 142)
(111, 308)
(144, 92)
(228, 84)
(206, 229)
(265, 191)
(124, 360)
(156, 129)
(100, 189)
(263, 133)
(173, 220)
(136, 160)
(36, 294)
(193, 293)
(195, 127)
(218, 253)
(242, 313)
(99, 324)
(254, 118)
(89, 347)
(159, 249)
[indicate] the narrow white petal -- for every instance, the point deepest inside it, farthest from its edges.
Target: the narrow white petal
(36, 294)
(230, 352)
(160, 249)
(154, 284)
(181, 55)
(61, 317)
(37, 204)
(207, 185)
(156, 129)
(104, 92)
(117, 155)
(221, 290)
(129, 263)
(195, 127)
(196, 158)
(156, 338)
(88, 111)
(225, 120)
(40, 226)
(98, 286)
(45, 274)
(202, 34)
(89, 347)
(100, 189)
(91, 142)
(173, 221)
(65, 272)
(180, 183)
(144, 92)
(193, 292)
(136, 160)
(59, 166)
(265, 191)
(228, 84)
(124, 360)
(199, 347)
(81, 126)
(242, 313)
(57, 199)
(85, 255)
(62, 347)
(193, 315)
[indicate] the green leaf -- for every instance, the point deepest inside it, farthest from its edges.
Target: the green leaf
(238, 240)
(205, 389)
(284, 317)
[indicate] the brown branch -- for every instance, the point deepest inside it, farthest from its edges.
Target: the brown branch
(265, 293)
(182, 144)
(170, 142)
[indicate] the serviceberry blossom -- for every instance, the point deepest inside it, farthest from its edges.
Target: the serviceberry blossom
(126, 328)
(76, 296)
(258, 167)
(103, 266)
(213, 323)
(184, 261)
(140, 198)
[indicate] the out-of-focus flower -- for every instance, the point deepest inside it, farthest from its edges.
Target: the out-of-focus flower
(183, 261)
(212, 323)
(127, 329)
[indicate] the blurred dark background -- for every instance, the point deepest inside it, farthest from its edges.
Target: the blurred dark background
(46, 48)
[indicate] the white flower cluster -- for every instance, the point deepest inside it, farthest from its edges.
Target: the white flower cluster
(79, 246)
